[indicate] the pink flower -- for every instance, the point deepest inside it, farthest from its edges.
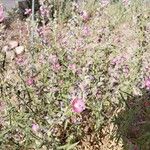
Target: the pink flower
(147, 83)
(30, 81)
(41, 31)
(86, 31)
(84, 15)
(42, 59)
(44, 11)
(72, 67)
(56, 67)
(147, 104)
(35, 127)
(118, 60)
(1, 13)
(2, 106)
(77, 105)
(28, 11)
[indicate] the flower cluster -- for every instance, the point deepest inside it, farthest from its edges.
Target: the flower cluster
(44, 11)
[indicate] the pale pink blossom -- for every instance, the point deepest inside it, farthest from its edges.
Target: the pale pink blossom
(41, 31)
(28, 11)
(30, 81)
(56, 67)
(35, 127)
(104, 2)
(82, 86)
(147, 83)
(1, 13)
(86, 31)
(118, 60)
(77, 105)
(53, 59)
(73, 67)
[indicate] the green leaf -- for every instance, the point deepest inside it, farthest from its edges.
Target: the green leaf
(72, 146)
(68, 146)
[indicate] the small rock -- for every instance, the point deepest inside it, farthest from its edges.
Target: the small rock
(13, 44)
(19, 50)
(5, 49)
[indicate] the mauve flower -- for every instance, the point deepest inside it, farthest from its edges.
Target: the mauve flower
(35, 127)
(30, 81)
(42, 59)
(77, 105)
(147, 83)
(21, 60)
(1, 13)
(28, 11)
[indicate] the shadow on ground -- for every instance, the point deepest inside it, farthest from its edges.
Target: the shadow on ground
(134, 122)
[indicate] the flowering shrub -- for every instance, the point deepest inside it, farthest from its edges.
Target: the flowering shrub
(66, 88)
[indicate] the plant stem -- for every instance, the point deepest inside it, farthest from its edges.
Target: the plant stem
(32, 32)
